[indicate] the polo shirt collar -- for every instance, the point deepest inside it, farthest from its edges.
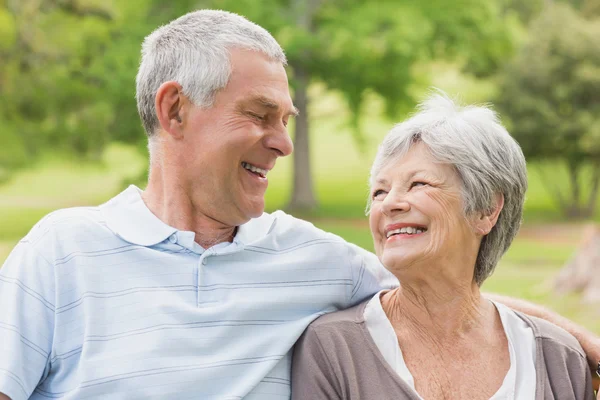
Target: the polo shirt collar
(129, 218)
(255, 229)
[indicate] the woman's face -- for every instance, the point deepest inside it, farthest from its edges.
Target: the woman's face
(417, 214)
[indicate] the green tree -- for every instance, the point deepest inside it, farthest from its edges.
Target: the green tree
(551, 94)
(68, 79)
(359, 46)
(50, 79)
(67, 74)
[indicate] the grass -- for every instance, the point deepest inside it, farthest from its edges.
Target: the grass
(58, 183)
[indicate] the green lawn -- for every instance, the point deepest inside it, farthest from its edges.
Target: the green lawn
(59, 183)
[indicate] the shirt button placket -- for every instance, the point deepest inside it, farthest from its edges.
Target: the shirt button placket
(203, 297)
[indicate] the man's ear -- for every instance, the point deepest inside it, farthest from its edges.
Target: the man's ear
(486, 221)
(169, 103)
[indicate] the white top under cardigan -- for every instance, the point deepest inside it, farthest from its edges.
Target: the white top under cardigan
(519, 382)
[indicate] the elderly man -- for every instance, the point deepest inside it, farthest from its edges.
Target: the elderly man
(187, 289)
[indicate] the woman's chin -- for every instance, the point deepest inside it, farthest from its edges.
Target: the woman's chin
(398, 260)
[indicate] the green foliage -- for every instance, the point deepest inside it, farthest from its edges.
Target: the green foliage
(67, 79)
(551, 93)
(68, 67)
(359, 46)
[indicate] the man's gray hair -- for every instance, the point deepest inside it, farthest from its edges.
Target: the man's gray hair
(488, 160)
(193, 50)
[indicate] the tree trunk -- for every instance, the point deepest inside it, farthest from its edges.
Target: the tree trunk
(552, 188)
(582, 273)
(574, 181)
(577, 209)
(595, 188)
(303, 197)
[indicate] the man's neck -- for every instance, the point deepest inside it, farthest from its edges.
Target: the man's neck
(173, 206)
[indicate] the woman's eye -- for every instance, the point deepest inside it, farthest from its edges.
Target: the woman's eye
(378, 193)
(417, 184)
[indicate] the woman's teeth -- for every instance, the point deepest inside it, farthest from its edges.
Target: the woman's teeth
(406, 230)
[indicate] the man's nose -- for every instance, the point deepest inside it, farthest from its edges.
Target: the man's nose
(279, 140)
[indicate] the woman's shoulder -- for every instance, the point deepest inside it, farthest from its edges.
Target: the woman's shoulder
(334, 335)
(552, 337)
(567, 374)
(339, 319)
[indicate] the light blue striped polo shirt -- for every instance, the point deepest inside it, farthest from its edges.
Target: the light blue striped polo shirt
(110, 302)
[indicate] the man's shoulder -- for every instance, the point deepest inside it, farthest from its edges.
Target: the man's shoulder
(73, 216)
(287, 224)
(65, 224)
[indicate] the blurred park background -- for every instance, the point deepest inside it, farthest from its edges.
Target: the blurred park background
(70, 134)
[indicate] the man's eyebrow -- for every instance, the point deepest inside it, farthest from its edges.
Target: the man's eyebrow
(268, 103)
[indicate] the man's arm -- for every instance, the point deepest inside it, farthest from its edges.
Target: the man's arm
(26, 321)
(589, 341)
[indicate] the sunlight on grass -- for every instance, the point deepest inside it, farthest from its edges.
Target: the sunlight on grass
(64, 183)
(5, 248)
(537, 252)
(16, 222)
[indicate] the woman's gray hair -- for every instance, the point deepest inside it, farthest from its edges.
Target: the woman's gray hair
(488, 160)
(193, 50)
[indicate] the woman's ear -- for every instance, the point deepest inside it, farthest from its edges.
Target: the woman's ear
(486, 221)
(169, 102)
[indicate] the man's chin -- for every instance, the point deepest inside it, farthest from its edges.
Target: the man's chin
(254, 210)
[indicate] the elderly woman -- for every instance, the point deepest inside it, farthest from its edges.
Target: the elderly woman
(447, 192)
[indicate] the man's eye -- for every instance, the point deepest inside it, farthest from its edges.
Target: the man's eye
(257, 116)
(378, 193)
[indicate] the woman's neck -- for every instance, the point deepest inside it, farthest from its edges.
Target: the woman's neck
(440, 310)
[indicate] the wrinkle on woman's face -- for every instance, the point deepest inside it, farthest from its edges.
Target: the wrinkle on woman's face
(416, 190)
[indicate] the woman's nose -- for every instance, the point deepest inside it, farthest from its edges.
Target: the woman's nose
(395, 203)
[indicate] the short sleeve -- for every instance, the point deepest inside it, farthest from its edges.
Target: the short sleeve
(26, 320)
(369, 276)
(312, 375)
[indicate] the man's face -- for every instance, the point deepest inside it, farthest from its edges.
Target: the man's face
(230, 147)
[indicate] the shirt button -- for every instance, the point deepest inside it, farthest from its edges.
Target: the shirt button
(173, 238)
(205, 261)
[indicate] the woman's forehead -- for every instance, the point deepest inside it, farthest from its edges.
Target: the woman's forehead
(418, 160)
